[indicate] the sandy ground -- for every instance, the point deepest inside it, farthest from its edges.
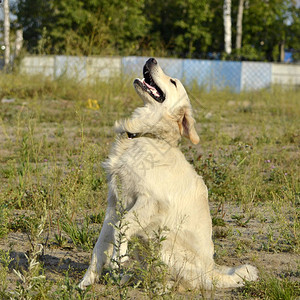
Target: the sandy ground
(234, 244)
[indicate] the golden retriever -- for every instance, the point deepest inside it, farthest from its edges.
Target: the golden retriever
(160, 188)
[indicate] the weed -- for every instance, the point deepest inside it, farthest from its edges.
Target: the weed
(217, 221)
(60, 240)
(32, 282)
(69, 290)
(4, 220)
(98, 218)
(152, 272)
(147, 270)
(81, 236)
(5, 260)
(22, 223)
(239, 220)
(214, 174)
(271, 288)
(120, 274)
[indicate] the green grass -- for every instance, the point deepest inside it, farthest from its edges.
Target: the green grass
(272, 288)
(53, 139)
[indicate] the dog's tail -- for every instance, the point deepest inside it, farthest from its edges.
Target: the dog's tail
(227, 277)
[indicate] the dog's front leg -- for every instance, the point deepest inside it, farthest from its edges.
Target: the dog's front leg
(101, 250)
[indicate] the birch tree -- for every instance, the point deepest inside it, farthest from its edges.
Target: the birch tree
(227, 25)
(239, 25)
(6, 33)
(18, 42)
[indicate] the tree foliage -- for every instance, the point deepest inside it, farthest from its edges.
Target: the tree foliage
(83, 27)
(181, 28)
(265, 28)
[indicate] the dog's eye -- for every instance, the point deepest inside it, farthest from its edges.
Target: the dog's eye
(174, 82)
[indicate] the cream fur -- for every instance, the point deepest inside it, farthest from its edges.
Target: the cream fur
(160, 188)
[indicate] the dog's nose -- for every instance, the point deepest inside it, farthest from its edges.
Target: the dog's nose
(152, 61)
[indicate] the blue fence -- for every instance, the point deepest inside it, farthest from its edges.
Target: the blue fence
(237, 76)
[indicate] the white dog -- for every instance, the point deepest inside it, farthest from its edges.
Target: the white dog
(160, 188)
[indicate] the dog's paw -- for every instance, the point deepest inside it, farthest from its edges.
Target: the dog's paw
(252, 273)
(248, 272)
(88, 279)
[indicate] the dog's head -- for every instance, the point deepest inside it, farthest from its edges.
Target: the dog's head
(167, 111)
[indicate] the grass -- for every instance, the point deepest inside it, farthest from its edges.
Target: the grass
(53, 138)
(272, 288)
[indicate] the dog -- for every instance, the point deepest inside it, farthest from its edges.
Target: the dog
(160, 189)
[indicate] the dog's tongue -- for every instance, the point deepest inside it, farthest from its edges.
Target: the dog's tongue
(150, 87)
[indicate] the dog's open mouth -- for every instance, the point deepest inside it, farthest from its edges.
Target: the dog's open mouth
(148, 84)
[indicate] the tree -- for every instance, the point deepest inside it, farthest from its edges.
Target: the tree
(293, 41)
(83, 27)
(33, 16)
(6, 33)
(18, 42)
(227, 25)
(179, 26)
(239, 25)
(265, 27)
(191, 32)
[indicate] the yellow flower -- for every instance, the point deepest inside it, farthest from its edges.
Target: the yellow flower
(93, 104)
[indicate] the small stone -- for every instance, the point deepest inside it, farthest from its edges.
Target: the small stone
(6, 100)
(208, 115)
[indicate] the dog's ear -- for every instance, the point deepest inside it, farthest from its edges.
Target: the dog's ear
(186, 125)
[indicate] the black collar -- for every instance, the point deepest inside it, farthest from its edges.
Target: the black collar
(131, 135)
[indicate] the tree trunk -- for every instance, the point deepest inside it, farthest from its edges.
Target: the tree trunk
(6, 33)
(227, 25)
(239, 25)
(281, 51)
(19, 41)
